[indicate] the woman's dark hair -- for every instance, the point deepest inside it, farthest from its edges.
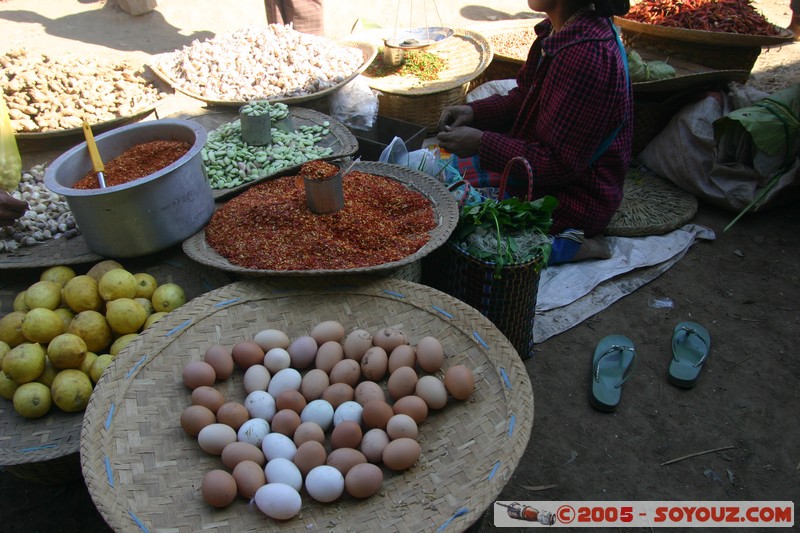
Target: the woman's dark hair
(609, 8)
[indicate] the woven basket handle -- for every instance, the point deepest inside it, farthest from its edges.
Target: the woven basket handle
(501, 192)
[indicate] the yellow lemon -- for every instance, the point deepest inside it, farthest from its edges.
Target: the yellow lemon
(146, 303)
(155, 317)
(4, 349)
(145, 285)
(71, 390)
(81, 294)
(66, 315)
(11, 328)
(97, 270)
(19, 303)
(48, 374)
(93, 328)
(45, 294)
(99, 366)
(60, 274)
(66, 351)
(86, 365)
(24, 363)
(168, 297)
(125, 315)
(117, 283)
(41, 325)
(121, 343)
(32, 400)
(7, 386)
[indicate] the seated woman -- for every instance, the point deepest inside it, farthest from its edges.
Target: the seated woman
(570, 116)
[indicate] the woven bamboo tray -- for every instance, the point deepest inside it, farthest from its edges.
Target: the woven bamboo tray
(49, 253)
(368, 50)
(444, 208)
(144, 473)
(45, 450)
(467, 54)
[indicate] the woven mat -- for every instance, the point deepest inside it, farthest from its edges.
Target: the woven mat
(57, 434)
(49, 253)
(368, 50)
(143, 472)
(651, 205)
(444, 206)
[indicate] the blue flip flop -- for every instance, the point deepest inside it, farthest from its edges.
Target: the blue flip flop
(691, 344)
(613, 363)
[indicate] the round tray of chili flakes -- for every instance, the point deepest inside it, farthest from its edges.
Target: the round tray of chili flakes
(392, 216)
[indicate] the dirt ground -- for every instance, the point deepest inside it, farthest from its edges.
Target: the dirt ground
(744, 287)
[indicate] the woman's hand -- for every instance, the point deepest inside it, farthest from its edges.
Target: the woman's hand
(462, 141)
(10, 209)
(455, 116)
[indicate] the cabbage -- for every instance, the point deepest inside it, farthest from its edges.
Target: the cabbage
(658, 70)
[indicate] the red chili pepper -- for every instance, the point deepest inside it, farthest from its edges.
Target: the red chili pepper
(729, 16)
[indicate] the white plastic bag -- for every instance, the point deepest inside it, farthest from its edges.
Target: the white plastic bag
(355, 104)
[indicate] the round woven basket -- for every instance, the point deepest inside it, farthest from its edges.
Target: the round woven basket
(466, 54)
(444, 208)
(49, 253)
(651, 205)
(45, 450)
(144, 473)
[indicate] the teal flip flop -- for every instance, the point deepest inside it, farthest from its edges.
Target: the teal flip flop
(613, 363)
(691, 344)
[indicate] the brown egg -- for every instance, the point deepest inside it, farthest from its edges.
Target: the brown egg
(346, 435)
(302, 351)
(309, 455)
(389, 339)
(249, 477)
(233, 414)
(236, 452)
(198, 373)
(357, 343)
(330, 330)
(196, 417)
(308, 431)
(208, 397)
(372, 444)
(368, 390)
(374, 363)
(459, 382)
(328, 355)
(314, 382)
(290, 399)
(432, 390)
(376, 414)
(401, 426)
(413, 406)
(401, 453)
(246, 354)
(218, 488)
(285, 422)
(338, 393)
(363, 480)
(403, 355)
(401, 382)
(343, 459)
(430, 354)
(346, 371)
(221, 359)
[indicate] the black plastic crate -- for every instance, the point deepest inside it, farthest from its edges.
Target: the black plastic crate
(373, 141)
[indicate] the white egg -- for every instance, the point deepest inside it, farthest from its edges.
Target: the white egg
(349, 410)
(277, 359)
(278, 445)
(253, 431)
(256, 378)
(271, 338)
(324, 483)
(260, 404)
(281, 470)
(214, 437)
(318, 411)
(278, 501)
(286, 379)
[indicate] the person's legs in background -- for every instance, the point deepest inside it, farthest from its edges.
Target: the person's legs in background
(305, 15)
(794, 25)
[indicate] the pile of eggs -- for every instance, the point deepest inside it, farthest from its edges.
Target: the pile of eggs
(328, 430)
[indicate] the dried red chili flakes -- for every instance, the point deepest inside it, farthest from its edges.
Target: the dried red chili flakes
(318, 170)
(269, 227)
(137, 162)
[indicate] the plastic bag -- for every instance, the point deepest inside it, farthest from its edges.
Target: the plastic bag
(10, 160)
(355, 104)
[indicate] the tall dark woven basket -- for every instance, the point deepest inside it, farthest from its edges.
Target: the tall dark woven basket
(507, 299)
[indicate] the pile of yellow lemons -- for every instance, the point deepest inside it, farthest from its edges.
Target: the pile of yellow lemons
(65, 329)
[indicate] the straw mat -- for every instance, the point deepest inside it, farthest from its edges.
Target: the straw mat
(144, 473)
(651, 205)
(49, 253)
(444, 208)
(45, 450)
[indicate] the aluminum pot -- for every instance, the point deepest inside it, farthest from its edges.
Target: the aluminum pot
(145, 215)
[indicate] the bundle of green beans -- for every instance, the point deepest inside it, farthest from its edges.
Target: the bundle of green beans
(231, 162)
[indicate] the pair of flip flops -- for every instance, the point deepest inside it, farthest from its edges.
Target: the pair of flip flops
(614, 361)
